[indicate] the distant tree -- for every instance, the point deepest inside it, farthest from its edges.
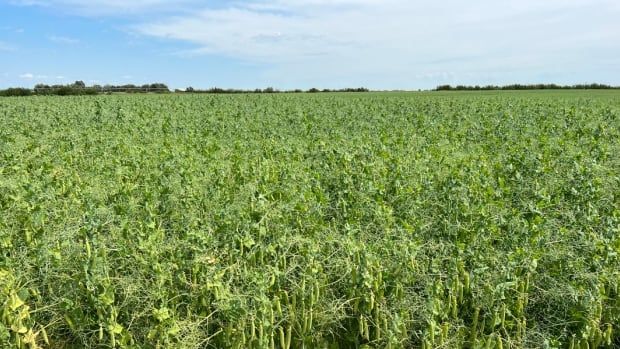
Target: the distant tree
(64, 91)
(520, 87)
(16, 92)
(79, 84)
(159, 87)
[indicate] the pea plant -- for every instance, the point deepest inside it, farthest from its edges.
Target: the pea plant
(377, 220)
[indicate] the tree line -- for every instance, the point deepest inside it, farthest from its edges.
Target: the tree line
(80, 88)
(526, 87)
(217, 90)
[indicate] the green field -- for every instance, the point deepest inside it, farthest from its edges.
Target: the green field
(377, 220)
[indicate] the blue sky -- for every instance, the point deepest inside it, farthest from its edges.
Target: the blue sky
(381, 44)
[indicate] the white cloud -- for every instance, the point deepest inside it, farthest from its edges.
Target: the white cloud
(30, 76)
(63, 40)
(400, 40)
(392, 42)
(117, 8)
(5, 47)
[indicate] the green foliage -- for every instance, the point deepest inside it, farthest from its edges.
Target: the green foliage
(15, 92)
(79, 88)
(310, 221)
(217, 90)
(527, 87)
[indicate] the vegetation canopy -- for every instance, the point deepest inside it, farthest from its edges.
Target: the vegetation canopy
(376, 220)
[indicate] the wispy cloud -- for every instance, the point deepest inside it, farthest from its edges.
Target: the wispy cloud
(63, 40)
(117, 8)
(12, 29)
(394, 42)
(5, 47)
(398, 39)
(30, 76)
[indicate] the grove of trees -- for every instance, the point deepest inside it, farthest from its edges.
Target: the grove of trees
(80, 88)
(526, 87)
